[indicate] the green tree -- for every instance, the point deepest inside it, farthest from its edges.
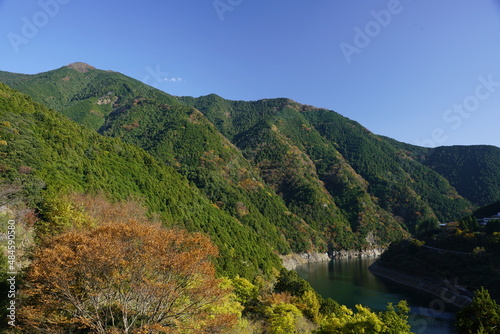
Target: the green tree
(310, 303)
(396, 318)
(329, 306)
(469, 223)
(481, 316)
(290, 281)
(283, 318)
(246, 292)
(427, 225)
(346, 321)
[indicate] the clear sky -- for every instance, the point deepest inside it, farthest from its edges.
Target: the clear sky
(421, 71)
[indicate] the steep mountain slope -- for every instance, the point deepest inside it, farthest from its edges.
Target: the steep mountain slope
(306, 178)
(367, 175)
(473, 170)
(182, 137)
(81, 92)
(487, 211)
(42, 153)
(403, 185)
(312, 176)
(178, 136)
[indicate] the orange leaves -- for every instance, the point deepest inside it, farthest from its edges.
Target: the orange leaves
(126, 278)
(250, 184)
(132, 126)
(99, 208)
(278, 298)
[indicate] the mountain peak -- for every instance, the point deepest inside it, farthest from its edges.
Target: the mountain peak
(81, 67)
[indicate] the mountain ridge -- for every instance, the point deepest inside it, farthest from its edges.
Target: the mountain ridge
(45, 156)
(319, 180)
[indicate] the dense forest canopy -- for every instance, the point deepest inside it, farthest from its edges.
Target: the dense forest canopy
(305, 178)
(87, 153)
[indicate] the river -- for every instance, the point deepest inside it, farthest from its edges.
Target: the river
(349, 282)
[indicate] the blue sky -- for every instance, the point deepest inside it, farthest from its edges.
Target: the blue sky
(420, 71)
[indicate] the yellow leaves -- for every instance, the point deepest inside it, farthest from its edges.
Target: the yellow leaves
(229, 304)
(250, 184)
(309, 304)
(163, 277)
(284, 318)
(4, 93)
(244, 290)
(346, 321)
(63, 215)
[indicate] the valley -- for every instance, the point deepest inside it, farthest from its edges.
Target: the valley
(261, 179)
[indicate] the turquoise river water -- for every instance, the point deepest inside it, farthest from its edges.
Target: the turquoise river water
(349, 282)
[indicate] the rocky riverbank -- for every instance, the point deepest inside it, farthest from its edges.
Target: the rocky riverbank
(442, 289)
(366, 253)
(292, 261)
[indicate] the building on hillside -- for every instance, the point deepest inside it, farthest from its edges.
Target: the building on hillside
(484, 221)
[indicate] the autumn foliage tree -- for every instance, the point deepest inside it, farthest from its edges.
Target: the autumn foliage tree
(124, 278)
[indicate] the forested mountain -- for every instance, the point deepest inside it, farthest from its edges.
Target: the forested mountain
(44, 156)
(296, 177)
(473, 170)
(368, 176)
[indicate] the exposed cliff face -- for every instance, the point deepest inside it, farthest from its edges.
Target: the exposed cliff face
(292, 261)
(367, 253)
(80, 67)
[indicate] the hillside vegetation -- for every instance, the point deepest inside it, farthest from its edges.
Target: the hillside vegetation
(306, 178)
(106, 175)
(465, 252)
(472, 170)
(45, 155)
